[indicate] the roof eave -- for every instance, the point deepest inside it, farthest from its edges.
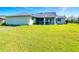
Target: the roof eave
(18, 16)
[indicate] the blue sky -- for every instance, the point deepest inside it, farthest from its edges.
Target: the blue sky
(68, 11)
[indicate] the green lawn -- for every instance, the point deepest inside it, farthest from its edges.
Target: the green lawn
(40, 38)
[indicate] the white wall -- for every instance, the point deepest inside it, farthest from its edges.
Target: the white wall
(19, 20)
(31, 21)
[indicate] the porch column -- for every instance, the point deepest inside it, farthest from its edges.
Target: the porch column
(44, 21)
(55, 21)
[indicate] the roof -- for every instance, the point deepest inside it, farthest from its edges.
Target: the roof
(2, 17)
(59, 17)
(20, 14)
(46, 14)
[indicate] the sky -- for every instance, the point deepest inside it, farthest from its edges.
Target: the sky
(68, 11)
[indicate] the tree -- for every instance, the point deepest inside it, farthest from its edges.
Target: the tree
(71, 19)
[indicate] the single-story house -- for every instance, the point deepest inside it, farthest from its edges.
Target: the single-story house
(38, 18)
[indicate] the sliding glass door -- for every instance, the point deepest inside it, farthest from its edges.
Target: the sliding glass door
(39, 20)
(49, 20)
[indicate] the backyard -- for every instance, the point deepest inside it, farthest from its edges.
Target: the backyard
(40, 38)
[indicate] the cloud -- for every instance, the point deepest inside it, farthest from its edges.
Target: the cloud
(63, 10)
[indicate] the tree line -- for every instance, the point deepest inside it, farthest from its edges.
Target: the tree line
(71, 19)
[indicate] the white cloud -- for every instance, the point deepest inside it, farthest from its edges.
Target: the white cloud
(63, 10)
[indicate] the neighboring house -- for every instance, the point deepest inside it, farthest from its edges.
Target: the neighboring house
(39, 18)
(2, 20)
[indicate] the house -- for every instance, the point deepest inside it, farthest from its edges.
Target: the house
(38, 18)
(2, 19)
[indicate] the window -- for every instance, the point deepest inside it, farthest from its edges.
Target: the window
(58, 19)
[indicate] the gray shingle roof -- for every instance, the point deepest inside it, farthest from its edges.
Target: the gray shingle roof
(20, 14)
(59, 16)
(46, 14)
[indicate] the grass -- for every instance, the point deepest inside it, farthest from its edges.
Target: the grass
(40, 38)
